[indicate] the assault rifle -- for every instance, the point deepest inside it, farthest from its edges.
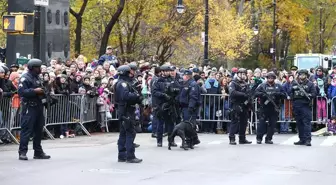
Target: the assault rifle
(270, 99)
(302, 90)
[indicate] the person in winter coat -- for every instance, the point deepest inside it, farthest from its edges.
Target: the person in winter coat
(332, 94)
(104, 108)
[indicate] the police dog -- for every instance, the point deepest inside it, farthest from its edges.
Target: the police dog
(187, 133)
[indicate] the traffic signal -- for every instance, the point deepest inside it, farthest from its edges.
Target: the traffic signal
(14, 23)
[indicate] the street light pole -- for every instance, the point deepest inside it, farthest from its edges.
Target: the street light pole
(206, 33)
(274, 33)
(321, 30)
(37, 35)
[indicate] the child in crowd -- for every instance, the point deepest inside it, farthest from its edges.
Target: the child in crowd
(104, 108)
(332, 126)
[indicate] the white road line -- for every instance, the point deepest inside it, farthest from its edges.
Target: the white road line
(215, 142)
(330, 141)
(290, 141)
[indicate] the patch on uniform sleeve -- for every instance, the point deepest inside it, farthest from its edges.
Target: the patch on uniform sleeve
(193, 88)
(124, 84)
(22, 79)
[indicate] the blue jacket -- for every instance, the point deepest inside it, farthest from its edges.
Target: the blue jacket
(332, 91)
(190, 95)
(287, 88)
(29, 82)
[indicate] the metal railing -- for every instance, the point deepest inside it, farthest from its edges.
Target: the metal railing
(82, 109)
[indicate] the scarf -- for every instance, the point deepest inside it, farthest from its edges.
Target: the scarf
(211, 80)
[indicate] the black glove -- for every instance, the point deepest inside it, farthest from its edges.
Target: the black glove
(167, 97)
(191, 110)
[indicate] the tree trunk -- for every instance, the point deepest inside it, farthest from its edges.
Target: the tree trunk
(109, 27)
(78, 32)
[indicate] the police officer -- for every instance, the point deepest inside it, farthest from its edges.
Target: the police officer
(32, 121)
(177, 83)
(240, 103)
(190, 99)
(155, 101)
(270, 95)
(126, 98)
(163, 104)
(302, 92)
(134, 83)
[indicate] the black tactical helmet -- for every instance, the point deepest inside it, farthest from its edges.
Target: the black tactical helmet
(303, 71)
(124, 70)
(165, 68)
(133, 66)
(242, 70)
(34, 63)
(271, 75)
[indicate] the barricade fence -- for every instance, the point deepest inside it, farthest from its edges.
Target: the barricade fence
(213, 112)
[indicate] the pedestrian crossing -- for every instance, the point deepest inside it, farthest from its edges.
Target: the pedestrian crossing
(213, 140)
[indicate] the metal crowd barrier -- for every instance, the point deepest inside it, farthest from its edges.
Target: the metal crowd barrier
(82, 109)
(216, 108)
(66, 111)
(6, 113)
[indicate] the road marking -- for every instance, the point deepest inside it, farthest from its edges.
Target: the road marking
(330, 141)
(290, 141)
(215, 142)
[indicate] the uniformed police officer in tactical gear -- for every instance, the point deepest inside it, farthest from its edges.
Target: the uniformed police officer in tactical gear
(134, 83)
(240, 103)
(190, 100)
(302, 93)
(270, 95)
(163, 108)
(126, 98)
(32, 117)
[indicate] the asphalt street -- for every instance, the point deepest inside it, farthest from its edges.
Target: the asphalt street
(93, 160)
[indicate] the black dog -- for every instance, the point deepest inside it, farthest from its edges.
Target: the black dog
(187, 133)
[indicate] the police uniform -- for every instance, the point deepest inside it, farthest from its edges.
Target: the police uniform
(240, 103)
(163, 105)
(270, 95)
(126, 98)
(32, 117)
(190, 99)
(302, 93)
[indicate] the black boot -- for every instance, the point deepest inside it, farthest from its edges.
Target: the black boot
(259, 141)
(307, 143)
(121, 160)
(243, 140)
(159, 144)
(154, 135)
(23, 157)
(136, 145)
(41, 156)
(173, 144)
(299, 143)
(269, 142)
(135, 160)
(232, 141)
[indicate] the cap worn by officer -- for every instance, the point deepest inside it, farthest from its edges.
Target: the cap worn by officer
(165, 68)
(172, 68)
(303, 71)
(187, 72)
(133, 66)
(294, 68)
(124, 69)
(34, 63)
(271, 75)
